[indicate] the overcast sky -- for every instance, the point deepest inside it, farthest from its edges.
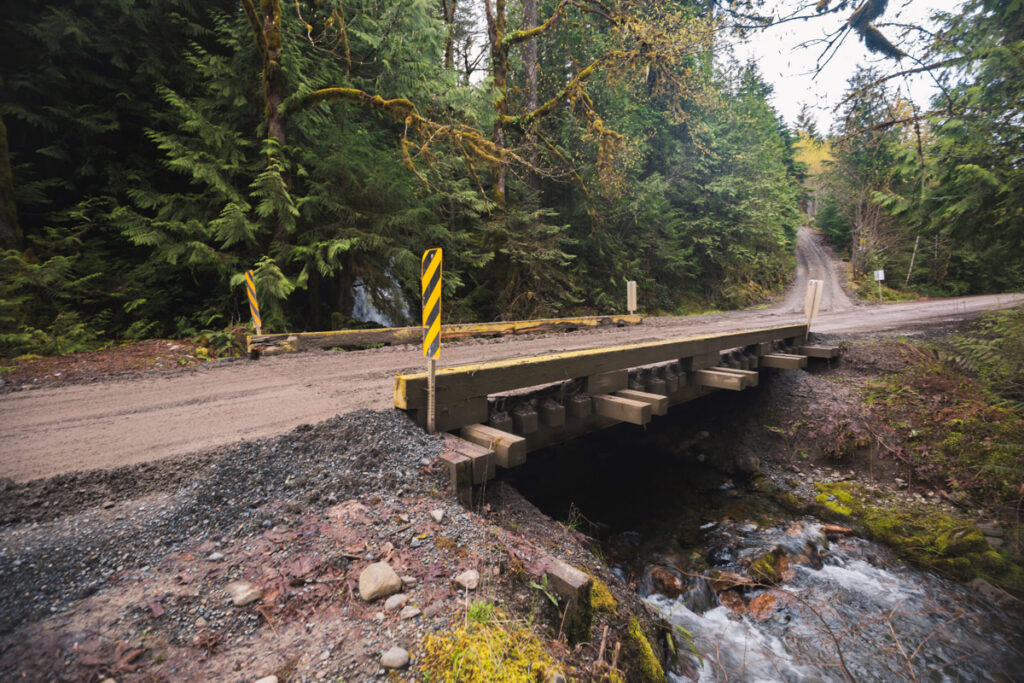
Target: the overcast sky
(790, 68)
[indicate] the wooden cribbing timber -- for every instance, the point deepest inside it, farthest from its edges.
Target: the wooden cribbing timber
(512, 407)
(258, 344)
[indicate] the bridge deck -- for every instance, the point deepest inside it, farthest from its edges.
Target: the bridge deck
(512, 407)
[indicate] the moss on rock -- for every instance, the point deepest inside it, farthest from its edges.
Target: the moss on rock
(601, 598)
(925, 535)
(649, 668)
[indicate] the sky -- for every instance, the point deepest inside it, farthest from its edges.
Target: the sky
(790, 68)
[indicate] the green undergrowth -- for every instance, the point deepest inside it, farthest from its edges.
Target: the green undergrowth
(923, 534)
(866, 289)
(489, 647)
(949, 428)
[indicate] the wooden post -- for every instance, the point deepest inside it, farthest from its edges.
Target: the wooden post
(431, 395)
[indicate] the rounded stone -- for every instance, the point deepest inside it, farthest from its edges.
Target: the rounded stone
(395, 658)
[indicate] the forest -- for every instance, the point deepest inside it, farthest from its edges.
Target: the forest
(152, 151)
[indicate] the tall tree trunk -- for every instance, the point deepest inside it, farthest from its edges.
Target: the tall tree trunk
(499, 73)
(273, 89)
(530, 74)
(448, 10)
(530, 54)
(10, 232)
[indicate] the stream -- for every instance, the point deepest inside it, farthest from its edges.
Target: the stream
(756, 593)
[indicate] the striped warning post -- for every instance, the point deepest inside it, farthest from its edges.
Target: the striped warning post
(430, 270)
(254, 306)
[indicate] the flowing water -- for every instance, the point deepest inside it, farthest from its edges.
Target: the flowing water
(837, 607)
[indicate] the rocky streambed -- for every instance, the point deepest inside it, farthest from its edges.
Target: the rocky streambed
(755, 556)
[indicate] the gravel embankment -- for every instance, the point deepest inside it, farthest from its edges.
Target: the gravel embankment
(46, 566)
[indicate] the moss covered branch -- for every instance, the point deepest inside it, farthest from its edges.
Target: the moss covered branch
(256, 25)
(525, 120)
(516, 37)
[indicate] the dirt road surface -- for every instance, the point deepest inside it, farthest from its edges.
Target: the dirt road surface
(45, 432)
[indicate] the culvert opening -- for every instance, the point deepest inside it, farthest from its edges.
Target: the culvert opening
(620, 477)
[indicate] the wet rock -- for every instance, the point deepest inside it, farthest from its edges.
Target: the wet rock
(719, 556)
(377, 581)
(734, 601)
(996, 596)
(699, 596)
(762, 606)
(469, 579)
(664, 581)
(395, 658)
(243, 593)
(771, 567)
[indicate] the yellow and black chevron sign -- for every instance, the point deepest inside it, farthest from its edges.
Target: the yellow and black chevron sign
(254, 306)
(430, 270)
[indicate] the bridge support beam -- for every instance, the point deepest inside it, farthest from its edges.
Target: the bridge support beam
(622, 409)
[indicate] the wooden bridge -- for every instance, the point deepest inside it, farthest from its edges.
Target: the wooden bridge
(505, 409)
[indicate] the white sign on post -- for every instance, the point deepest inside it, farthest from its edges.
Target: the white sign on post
(631, 296)
(879, 275)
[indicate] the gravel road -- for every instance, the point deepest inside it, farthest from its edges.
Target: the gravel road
(111, 423)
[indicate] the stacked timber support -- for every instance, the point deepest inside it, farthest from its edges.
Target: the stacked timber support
(512, 407)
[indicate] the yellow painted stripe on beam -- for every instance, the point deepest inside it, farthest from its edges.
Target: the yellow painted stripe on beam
(494, 376)
(582, 353)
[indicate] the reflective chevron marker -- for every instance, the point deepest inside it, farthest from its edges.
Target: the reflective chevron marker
(430, 274)
(430, 269)
(254, 306)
